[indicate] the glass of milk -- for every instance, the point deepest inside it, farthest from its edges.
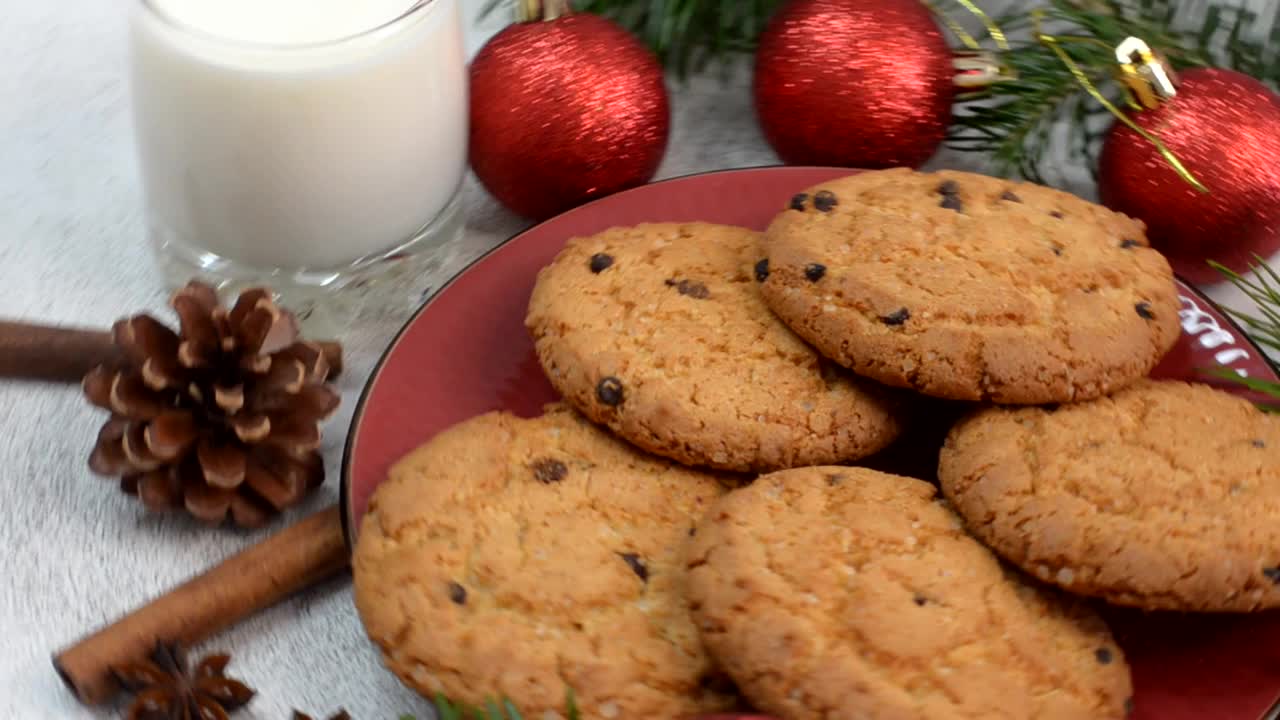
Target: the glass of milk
(317, 146)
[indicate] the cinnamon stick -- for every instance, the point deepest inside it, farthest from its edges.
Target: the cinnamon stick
(61, 354)
(38, 352)
(254, 579)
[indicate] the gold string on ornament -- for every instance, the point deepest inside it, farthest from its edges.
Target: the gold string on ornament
(992, 28)
(1055, 44)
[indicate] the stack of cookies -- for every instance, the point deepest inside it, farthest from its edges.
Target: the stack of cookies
(696, 529)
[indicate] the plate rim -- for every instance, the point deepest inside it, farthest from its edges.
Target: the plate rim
(357, 414)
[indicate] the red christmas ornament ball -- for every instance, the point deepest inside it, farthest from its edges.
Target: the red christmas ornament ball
(564, 111)
(1225, 129)
(854, 83)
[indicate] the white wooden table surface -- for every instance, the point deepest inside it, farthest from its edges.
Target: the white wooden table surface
(74, 551)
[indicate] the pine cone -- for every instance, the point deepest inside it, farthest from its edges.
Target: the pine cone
(221, 419)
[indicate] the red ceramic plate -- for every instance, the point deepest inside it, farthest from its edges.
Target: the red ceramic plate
(466, 352)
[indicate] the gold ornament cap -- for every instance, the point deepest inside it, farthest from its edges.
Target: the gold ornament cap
(535, 10)
(979, 69)
(1145, 73)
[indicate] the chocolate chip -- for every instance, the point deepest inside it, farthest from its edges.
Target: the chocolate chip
(798, 200)
(1055, 214)
(718, 683)
(636, 565)
(1010, 196)
(952, 202)
(1272, 574)
(1127, 243)
(693, 531)
(457, 594)
(1104, 655)
(762, 270)
(949, 187)
(825, 201)
(897, 317)
(814, 272)
(920, 600)
(1259, 443)
(600, 262)
(691, 288)
(548, 470)
(831, 373)
(609, 391)
(1144, 311)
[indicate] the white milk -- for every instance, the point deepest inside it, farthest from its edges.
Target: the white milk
(298, 133)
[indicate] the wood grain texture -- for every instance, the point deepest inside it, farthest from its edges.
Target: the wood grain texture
(40, 352)
(62, 354)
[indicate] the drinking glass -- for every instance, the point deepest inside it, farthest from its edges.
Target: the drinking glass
(320, 152)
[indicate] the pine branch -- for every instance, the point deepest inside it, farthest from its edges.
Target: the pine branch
(1262, 286)
(687, 35)
(1268, 388)
(492, 710)
(1013, 121)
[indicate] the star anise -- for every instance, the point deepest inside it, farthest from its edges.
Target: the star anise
(165, 689)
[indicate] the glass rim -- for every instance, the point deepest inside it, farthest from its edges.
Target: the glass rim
(173, 23)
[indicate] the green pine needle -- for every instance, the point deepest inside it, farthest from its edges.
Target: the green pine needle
(445, 710)
(1262, 286)
(1268, 388)
(493, 709)
(571, 704)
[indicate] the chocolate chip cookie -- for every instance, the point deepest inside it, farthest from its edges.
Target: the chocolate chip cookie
(969, 287)
(521, 558)
(836, 592)
(1163, 496)
(660, 333)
